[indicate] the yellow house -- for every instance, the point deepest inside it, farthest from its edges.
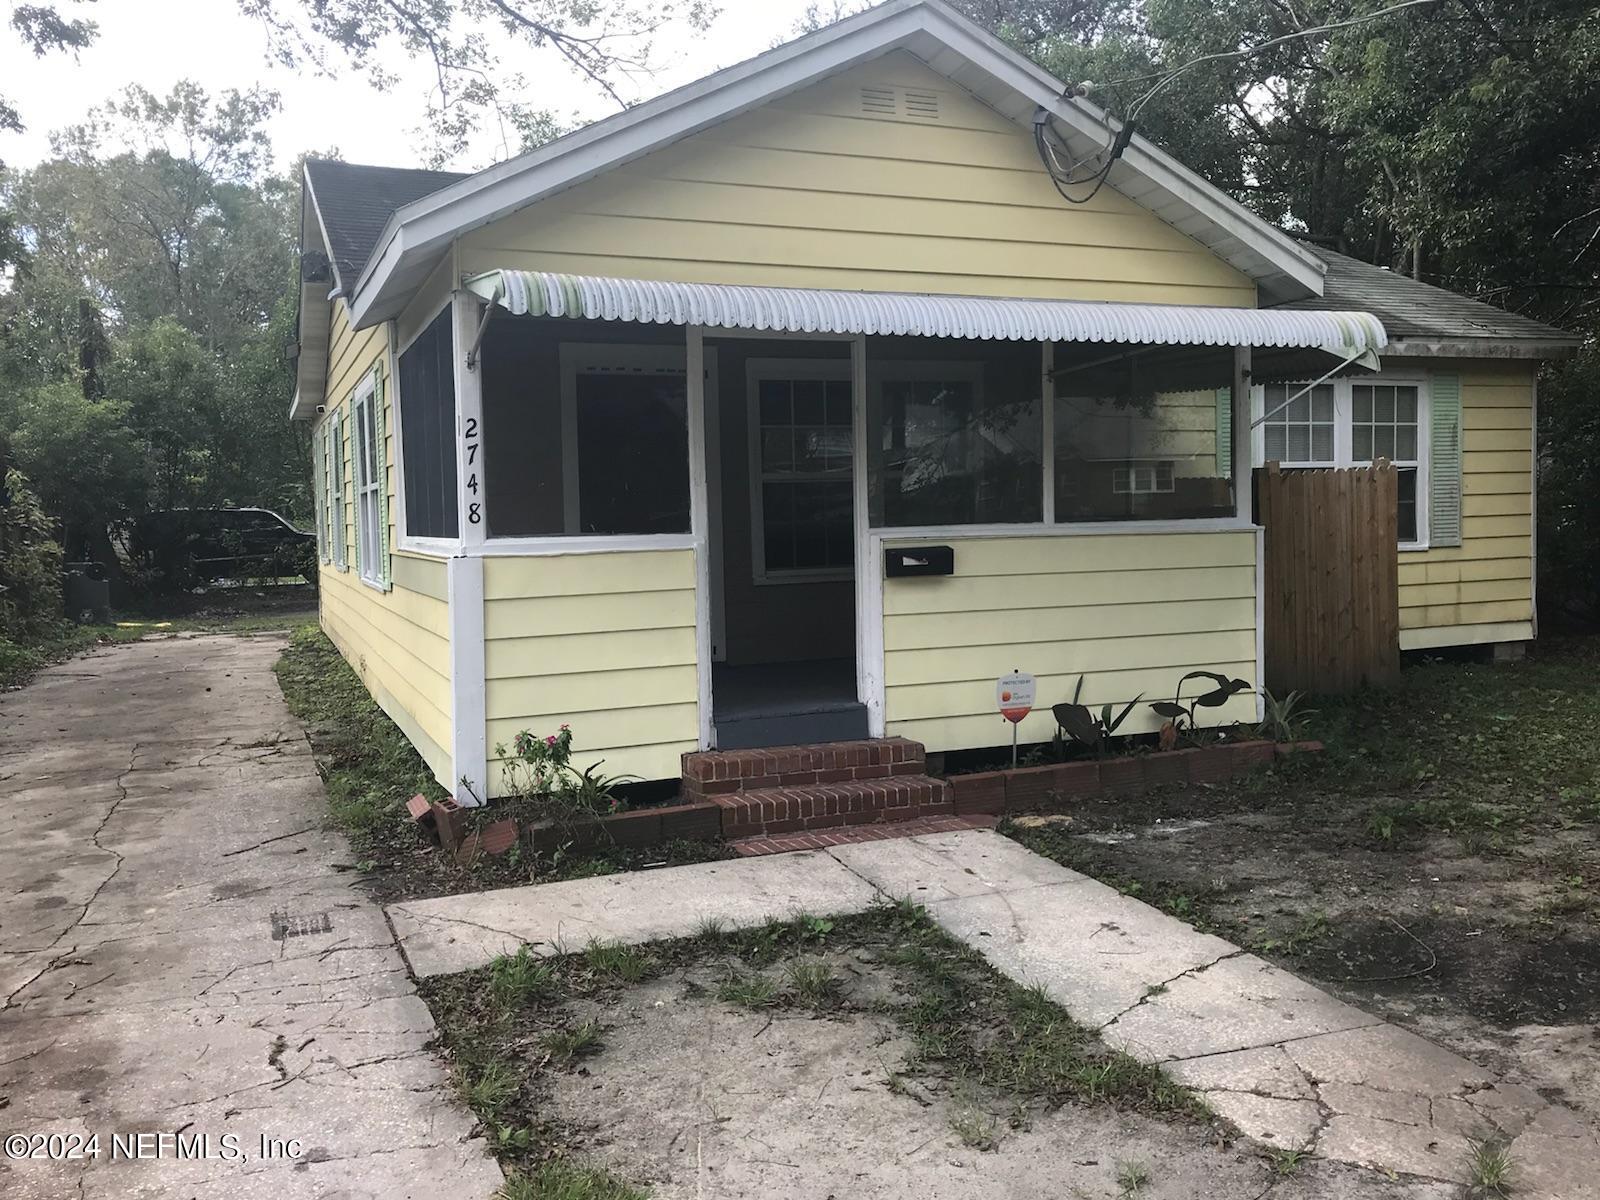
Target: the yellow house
(801, 402)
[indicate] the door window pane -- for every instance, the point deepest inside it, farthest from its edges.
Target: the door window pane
(806, 490)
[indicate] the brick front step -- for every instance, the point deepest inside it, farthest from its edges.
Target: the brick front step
(726, 772)
(821, 839)
(832, 805)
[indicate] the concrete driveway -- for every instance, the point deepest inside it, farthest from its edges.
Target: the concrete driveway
(184, 954)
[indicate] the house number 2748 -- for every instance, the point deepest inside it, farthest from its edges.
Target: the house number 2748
(469, 437)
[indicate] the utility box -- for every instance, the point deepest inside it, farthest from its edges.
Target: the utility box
(88, 593)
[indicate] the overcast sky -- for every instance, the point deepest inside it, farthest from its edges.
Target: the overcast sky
(157, 42)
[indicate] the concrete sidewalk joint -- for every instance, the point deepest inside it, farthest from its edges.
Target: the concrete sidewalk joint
(1292, 1067)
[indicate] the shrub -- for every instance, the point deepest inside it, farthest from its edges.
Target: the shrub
(30, 565)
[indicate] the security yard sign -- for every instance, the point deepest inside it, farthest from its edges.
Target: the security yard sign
(1013, 695)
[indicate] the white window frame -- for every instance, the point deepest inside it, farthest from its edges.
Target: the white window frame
(341, 543)
(1343, 434)
(438, 547)
(786, 370)
(367, 477)
(1130, 471)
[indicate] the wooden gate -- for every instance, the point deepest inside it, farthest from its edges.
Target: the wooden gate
(1331, 592)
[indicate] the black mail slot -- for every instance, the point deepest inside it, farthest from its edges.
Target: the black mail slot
(919, 560)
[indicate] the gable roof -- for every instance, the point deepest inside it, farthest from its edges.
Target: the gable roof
(1424, 320)
(354, 202)
(419, 232)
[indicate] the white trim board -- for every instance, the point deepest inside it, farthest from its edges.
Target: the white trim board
(416, 235)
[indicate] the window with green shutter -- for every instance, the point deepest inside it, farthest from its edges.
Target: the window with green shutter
(1444, 466)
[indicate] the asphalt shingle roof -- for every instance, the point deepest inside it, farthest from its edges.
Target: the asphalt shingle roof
(355, 202)
(1410, 309)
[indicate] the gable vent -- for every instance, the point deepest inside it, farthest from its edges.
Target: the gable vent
(910, 103)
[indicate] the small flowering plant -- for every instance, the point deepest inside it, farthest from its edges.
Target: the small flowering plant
(540, 768)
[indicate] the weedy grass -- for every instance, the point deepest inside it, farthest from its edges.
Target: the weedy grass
(1004, 1046)
(1132, 1179)
(560, 1179)
(1489, 1168)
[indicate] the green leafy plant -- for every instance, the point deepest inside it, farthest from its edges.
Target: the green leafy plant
(515, 979)
(564, 1045)
(1083, 725)
(753, 990)
(1489, 1165)
(540, 769)
(1285, 715)
(1183, 718)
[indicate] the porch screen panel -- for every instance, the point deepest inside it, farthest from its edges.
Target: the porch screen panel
(954, 432)
(586, 429)
(427, 432)
(1138, 434)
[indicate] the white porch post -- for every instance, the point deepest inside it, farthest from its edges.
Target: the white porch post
(869, 554)
(468, 720)
(1243, 443)
(699, 524)
(1047, 393)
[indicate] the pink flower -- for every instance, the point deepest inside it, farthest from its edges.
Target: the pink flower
(550, 740)
(565, 726)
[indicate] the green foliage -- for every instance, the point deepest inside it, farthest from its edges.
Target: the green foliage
(30, 565)
(565, 1045)
(1489, 1168)
(81, 456)
(516, 979)
(615, 962)
(559, 1179)
(1285, 716)
(749, 989)
(1084, 726)
(1183, 719)
(539, 769)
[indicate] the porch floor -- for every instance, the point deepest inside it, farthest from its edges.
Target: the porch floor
(785, 704)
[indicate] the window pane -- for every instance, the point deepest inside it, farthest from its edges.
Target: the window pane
(427, 412)
(1299, 409)
(1361, 402)
(956, 432)
(1322, 403)
(1383, 405)
(809, 408)
(838, 393)
(1405, 446)
(1299, 443)
(1406, 404)
(1408, 505)
(1277, 443)
(1361, 444)
(1322, 443)
(633, 454)
(774, 395)
(777, 448)
(1383, 442)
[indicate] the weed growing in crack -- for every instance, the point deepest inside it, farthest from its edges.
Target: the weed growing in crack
(1132, 1179)
(562, 1180)
(977, 1129)
(489, 1089)
(748, 990)
(814, 985)
(565, 1045)
(516, 979)
(709, 929)
(615, 962)
(1286, 1162)
(1489, 1168)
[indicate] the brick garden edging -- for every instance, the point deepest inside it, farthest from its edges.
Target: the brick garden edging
(1010, 790)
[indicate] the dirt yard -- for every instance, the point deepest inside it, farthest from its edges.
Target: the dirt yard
(862, 1057)
(1438, 866)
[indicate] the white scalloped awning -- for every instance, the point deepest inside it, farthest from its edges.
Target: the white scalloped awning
(809, 310)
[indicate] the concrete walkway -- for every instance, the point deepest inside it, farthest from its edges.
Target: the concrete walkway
(1290, 1065)
(181, 951)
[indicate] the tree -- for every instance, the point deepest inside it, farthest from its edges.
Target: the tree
(43, 29)
(474, 48)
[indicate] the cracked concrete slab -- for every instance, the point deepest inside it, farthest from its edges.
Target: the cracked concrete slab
(457, 933)
(182, 953)
(1292, 1067)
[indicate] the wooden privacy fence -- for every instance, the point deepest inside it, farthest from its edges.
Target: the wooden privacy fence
(1331, 587)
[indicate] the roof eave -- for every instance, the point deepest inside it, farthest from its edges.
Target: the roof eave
(415, 234)
(1527, 349)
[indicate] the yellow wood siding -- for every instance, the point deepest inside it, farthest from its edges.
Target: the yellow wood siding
(602, 642)
(814, 191)
(399, 640)
(1481, 591)
(1131, 612)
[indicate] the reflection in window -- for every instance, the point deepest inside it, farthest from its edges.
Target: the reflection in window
(1159, 456)
(806, 499)
(947, 450)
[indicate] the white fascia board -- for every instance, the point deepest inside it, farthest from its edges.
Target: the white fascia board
(421, 230)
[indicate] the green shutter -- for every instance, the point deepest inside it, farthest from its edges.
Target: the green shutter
(341, 540)
(1225, 433)
(319, 498)
(1444, 463)
(355, 479)
(380, 424)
